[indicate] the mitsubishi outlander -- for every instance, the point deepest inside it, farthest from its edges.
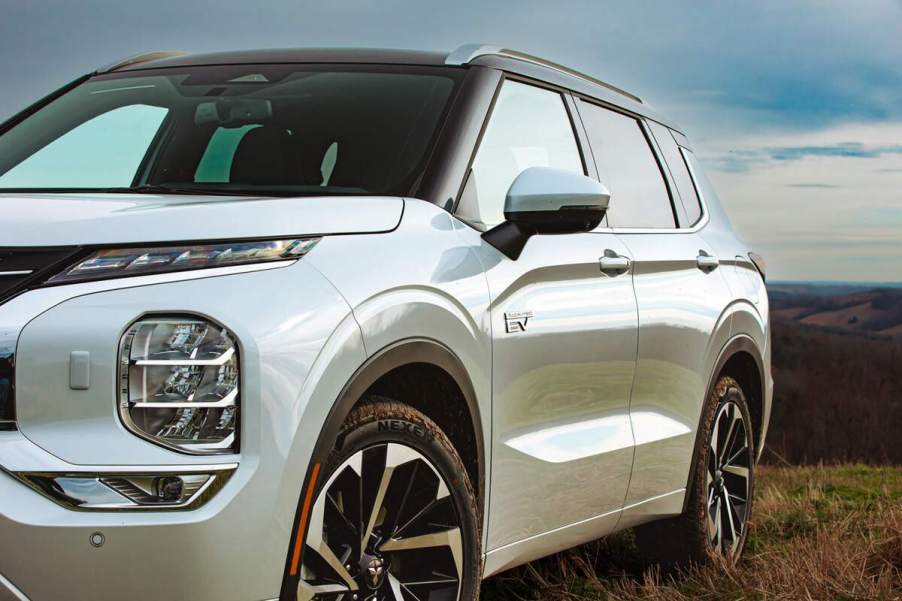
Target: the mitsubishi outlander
(355, 325)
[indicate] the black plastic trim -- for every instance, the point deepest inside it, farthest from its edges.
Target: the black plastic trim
(738, 344)
(404, 352)
(27, 112)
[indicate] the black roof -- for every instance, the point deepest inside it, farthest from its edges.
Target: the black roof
(281, 55)
(468, 54)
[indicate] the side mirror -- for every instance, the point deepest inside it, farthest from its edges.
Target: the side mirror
(543, 200)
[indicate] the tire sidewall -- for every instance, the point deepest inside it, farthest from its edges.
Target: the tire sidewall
(382, 423)
(726, 391)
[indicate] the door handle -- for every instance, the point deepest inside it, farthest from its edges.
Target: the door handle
(613, 264)
(706, 262)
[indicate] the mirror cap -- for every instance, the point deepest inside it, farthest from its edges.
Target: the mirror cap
(543, 200)
(543, 189)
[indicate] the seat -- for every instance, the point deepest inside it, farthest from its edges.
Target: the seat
(268, 155)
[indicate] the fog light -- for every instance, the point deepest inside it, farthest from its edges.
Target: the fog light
(169, 488)
(179, 384)
(132, 490)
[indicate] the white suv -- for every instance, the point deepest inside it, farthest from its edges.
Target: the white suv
(362, 325)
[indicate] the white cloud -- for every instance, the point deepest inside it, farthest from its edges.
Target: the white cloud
(819, 217)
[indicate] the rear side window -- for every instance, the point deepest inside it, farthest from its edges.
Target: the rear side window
(627, 166)
(529, 127)
(680, 173)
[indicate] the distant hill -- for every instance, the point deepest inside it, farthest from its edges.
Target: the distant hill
(837, 360)
(849, 308)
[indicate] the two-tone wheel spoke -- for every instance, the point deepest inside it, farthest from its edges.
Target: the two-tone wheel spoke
(384, 527)
(728, 479)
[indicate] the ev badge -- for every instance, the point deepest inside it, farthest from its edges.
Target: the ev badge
(516, 322)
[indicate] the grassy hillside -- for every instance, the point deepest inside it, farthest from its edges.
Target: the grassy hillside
(818, 533)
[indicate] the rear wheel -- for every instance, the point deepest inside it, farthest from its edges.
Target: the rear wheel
(396, 517)
(719, 502)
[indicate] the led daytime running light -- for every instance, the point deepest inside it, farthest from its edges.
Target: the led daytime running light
(121, 262)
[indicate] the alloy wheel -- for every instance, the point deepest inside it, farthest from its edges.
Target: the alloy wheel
(728, 482)
(384, 527)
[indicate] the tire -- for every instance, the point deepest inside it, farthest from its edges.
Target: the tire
(395, 480)
(698, 536)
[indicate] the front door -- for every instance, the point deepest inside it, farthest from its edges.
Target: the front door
(564, 340)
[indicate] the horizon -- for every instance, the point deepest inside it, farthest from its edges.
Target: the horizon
(847, 284)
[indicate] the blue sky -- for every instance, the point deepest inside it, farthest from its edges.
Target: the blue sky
(794, 106)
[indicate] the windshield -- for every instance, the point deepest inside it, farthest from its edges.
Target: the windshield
(249, 129)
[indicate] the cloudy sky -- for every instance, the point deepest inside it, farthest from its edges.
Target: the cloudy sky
(794, 106)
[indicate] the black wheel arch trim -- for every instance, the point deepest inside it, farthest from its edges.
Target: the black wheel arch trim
(403, 352)
(738, 344)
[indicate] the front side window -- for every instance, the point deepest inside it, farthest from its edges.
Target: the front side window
(627, 166)
(246, 129)
(529, 127)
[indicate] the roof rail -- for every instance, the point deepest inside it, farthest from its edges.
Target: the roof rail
(137, 59)
(469, 52)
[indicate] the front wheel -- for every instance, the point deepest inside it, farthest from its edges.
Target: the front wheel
(719, 498)
(396, 518)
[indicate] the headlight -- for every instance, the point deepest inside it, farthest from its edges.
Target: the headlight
(179, 384)
(122, 262)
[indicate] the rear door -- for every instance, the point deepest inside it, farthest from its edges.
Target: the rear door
(679, 290)
(564, 341)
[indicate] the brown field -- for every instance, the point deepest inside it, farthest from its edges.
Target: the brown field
(838, 386)
(818, 533)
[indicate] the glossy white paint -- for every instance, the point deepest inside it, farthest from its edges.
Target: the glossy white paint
(64, 219)
(560, 388)
(680, 306)
(589, 403)
(257, 506)
(555, 399)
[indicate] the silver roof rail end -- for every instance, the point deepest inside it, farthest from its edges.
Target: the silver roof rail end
(467, 53)
(137, 59)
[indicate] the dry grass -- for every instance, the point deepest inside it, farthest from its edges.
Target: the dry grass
(818, 533)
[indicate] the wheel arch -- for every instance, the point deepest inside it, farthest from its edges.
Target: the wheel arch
(378, 375)
(741, 358)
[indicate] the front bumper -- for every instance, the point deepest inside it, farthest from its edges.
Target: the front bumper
(209, 553)
(233, 547)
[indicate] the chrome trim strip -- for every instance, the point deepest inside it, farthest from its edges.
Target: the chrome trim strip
(220, 360)
(7, 586)
(219, 476)
(226, 401)
(21, 272)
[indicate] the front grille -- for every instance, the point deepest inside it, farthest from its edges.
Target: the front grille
(21, 268)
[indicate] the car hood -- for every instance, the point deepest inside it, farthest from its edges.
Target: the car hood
(80, 219)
